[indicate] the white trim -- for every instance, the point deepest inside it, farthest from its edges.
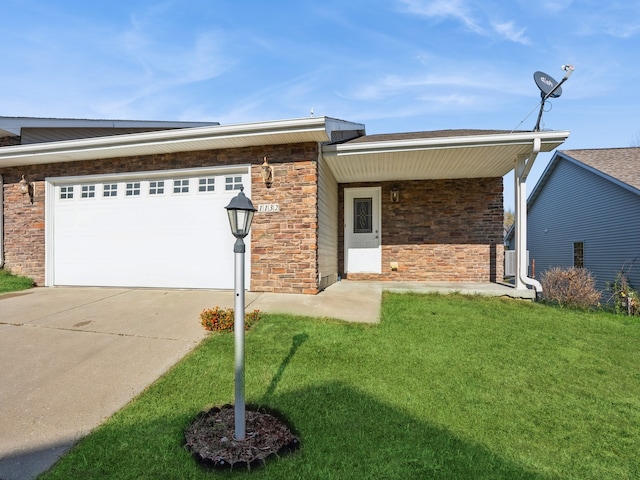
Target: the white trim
(49, 193)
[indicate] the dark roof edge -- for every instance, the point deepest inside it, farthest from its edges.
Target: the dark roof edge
(12, 126)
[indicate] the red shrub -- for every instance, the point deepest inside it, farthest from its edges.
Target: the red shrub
(221, 319)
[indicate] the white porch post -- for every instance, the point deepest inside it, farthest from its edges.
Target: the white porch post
(522, 169)
(520, 189)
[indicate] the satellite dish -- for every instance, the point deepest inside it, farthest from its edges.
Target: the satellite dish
(548, 86)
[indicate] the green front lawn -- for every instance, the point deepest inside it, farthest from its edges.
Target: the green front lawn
(449, 387)
(12, 283)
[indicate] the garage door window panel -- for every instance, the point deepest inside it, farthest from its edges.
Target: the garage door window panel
(88, 191)
(156, 187)
(132, 189)
(110, 190)
(181, 185)
(66, 192)
(207, 184)
(233, 183)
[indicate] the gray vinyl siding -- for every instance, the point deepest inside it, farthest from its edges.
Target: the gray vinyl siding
(577, 205)
(327, 225)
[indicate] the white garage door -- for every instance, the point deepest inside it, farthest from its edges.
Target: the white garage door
(154, 229)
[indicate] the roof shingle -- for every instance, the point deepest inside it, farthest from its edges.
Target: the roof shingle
(623, 164)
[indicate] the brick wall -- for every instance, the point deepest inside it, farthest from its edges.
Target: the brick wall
(440, 230)
(23, 229)
(284, 244)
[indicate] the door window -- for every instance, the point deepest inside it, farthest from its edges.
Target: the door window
(362, 215)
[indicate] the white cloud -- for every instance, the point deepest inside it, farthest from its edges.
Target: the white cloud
(555, 6)
(444, 9)
(510, 32)
(462, 11)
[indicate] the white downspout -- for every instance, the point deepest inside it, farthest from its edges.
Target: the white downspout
(523, 167)
(1, 222)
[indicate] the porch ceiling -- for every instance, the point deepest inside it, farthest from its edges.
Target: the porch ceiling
(477, 155)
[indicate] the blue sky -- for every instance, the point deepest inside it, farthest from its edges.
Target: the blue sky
(394, 65)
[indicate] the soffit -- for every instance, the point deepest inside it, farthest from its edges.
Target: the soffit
(428, 155)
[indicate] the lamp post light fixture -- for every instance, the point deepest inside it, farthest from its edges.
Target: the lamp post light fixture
(26, 187)
(266, 171)
(240, 211)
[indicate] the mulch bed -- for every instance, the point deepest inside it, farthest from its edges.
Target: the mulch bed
(210, 438)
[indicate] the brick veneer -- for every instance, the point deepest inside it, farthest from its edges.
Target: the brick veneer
(440, 230)
(284, 244)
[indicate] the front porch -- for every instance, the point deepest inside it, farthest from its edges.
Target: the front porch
(466, 288)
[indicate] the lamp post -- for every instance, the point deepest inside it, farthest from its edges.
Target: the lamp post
(240, 211)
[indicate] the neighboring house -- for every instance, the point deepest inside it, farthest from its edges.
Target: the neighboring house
(585, 212)
(145, 208)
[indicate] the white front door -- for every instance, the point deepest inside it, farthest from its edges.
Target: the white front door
(362, 230)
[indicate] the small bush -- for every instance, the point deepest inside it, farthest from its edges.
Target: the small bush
(570, 287)
(221, 319)
(625, 298)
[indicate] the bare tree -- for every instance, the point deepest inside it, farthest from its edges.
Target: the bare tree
(509, 219)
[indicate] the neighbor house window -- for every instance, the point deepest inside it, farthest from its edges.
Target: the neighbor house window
(88, 191)
(66, 193)
(207, 184)
(362, 215)
(156, 187)
(578, 254)
(110, 190)
(233, 183)
(181, 186)
(132, 189)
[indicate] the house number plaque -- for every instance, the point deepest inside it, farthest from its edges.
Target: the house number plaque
(269, 208)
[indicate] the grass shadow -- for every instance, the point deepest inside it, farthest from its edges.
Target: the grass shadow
(298, 340)
(372, 440)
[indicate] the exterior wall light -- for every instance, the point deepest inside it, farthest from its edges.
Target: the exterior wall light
(395, 194)
(267, 173)
(25, 187)
(240, 211)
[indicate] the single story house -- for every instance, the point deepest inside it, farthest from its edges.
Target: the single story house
(141, 204)
(585, 212)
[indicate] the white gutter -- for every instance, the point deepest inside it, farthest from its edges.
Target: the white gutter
(183, 139)
(522, 170)
(485, 140)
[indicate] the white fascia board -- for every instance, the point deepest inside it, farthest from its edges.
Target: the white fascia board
(151, 142)
(523, 138)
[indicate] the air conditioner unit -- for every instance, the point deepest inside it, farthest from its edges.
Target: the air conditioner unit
(510, 263)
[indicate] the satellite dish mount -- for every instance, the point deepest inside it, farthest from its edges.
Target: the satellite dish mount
(549, 88)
